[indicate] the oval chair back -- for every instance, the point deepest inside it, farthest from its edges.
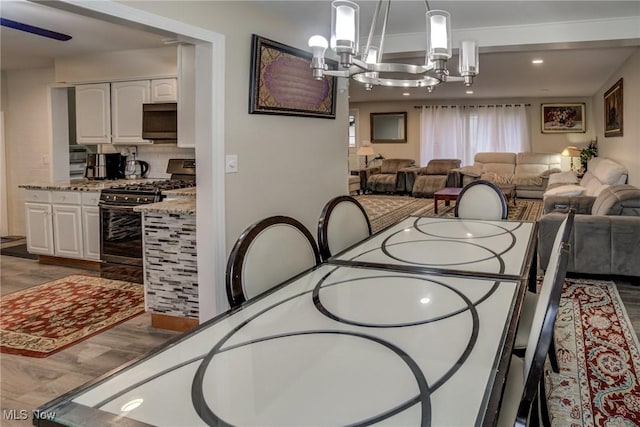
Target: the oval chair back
(481, 200)
(266, 254)
(343, 223)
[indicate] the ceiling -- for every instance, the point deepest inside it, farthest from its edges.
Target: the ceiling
(575, 69)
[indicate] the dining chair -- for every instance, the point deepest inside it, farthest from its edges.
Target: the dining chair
(268, 253)
(343, 222)
(481, 199)
(531, 298)
(524, 396)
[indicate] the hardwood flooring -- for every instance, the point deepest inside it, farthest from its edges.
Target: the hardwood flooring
(27, 382)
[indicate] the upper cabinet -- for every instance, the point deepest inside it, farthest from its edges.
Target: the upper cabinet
(126, 108)
(93, 113)
(164, 90)
(112, 112)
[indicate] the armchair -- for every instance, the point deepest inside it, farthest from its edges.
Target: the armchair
(423, 182)
(384, 178)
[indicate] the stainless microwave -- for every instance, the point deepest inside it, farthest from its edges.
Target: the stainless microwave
(160, 122)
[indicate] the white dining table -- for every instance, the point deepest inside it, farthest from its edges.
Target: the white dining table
(336, 345)
(481, 248)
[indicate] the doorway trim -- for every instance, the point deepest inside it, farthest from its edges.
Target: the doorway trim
(209, 135)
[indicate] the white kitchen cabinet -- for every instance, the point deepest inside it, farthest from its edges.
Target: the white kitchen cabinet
(164, 90)
(63, 223)
(93, 113)
(186, 96)
(126, 109)
(91, 226)
(39, 228)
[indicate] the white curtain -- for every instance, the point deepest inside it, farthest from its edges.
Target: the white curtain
(460, 132)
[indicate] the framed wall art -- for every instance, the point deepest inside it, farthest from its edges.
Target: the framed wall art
(613, 110)
(282, 82)
(563, 118)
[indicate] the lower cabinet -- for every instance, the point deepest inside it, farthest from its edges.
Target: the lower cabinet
(63, 223)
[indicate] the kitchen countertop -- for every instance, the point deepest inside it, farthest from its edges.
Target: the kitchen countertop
(184, 206)
(181, 192)
(84, 184)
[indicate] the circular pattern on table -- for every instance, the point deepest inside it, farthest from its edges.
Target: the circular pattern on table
(466, 229)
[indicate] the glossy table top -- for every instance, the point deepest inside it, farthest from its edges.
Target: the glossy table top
(479, 247)
(337, 345)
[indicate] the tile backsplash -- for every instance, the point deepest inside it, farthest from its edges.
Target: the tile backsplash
(157, 155)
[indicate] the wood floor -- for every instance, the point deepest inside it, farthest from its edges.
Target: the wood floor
(27, 382)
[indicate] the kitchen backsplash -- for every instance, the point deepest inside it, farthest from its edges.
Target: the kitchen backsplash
(156, 155)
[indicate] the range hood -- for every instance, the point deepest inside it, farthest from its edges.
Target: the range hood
(160, 122)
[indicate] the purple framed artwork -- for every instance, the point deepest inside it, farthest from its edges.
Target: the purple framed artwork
(282, 82)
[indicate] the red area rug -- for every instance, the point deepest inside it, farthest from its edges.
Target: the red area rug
(599, 360)
(44, 319)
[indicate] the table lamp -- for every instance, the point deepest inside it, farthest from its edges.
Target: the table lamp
(571, 152)
(366, 151)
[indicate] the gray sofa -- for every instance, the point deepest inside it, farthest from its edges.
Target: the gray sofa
(423, 182)
(384, 178)
(527, 172)
(606, 234)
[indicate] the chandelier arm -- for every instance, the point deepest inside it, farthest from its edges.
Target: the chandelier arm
(426, 4)
(384, 30)
(372, 29)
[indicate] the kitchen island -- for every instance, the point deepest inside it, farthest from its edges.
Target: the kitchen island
(170, 260)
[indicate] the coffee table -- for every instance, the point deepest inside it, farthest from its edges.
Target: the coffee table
(451, 193)
(447, 194)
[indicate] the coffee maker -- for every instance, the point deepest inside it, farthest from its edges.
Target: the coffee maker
(105, 166)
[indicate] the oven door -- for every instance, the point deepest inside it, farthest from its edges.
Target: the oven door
(120, 235)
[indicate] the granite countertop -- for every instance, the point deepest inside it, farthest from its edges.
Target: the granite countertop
(181, 192)
(184, 206)
(84, 184)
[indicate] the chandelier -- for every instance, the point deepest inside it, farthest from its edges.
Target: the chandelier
(364, 66)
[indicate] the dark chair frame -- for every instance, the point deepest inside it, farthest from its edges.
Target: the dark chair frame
(494, 186)
(234, 279)
(323, 223)
(534, 383)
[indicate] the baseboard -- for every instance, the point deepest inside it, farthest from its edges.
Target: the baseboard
(69, 262)
(173, 323)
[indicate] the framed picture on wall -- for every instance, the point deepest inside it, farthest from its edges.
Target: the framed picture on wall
(563, 118)
(613, 110)
(282, 82)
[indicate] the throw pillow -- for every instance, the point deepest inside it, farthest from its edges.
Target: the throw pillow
(594, 188)
(565, 190)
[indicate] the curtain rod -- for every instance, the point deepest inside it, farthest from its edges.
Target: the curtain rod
(470, 106)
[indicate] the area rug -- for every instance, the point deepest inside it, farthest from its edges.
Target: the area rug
(44, 319)
(599, 360)
(384, 211)
(524, 210)
(19, 251)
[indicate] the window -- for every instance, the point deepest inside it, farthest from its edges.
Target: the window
(352, 130)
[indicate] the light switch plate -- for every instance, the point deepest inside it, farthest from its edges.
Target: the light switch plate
(231, 163)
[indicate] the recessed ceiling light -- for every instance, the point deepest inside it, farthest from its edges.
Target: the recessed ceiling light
(537, 61)
(406, 94)
(469, 92)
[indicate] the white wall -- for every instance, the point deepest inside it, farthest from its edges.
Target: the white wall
(626, 148)
(287, 165)
(27, 136)
(540, 143)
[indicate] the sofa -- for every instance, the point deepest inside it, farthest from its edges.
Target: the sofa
(423, 182)
(526, 174)
(606, 233)
(384, 178)
(566, 189)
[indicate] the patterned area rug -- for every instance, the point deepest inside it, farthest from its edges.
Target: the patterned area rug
(44, 319)
(384, 211)
(598, 355)
(524, 210)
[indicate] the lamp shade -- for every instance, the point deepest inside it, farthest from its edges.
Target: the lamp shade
(365, 150)
(571, 151)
